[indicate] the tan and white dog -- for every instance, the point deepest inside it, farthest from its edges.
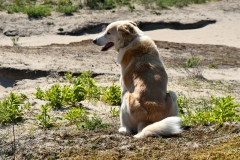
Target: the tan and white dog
(147, 109)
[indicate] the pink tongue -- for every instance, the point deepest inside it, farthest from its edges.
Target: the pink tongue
(107, 46)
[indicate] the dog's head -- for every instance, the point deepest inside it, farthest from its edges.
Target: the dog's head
(118, 34)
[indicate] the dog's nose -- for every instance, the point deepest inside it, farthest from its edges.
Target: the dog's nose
(95, 41)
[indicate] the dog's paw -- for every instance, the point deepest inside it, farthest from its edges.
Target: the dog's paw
(122, 129)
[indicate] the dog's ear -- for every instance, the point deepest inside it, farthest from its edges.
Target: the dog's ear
(127, 33)
(126, 30)
(133, 23)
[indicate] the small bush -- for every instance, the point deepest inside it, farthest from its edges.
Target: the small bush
(178, 3)
(59, 96)
(100, 4)
(112, 95)
(131, 7)
(15, 41)
(92, 123)
(12, 108)
(15, 9)
(89, 85)
(2, 6)
(38, 11)
(213, 66)
(76, 115)
(193, 62)
(72, 95)
(67, 8)
(114, 112)
(193, 67)
(44, 119)
(54, 96)
(39, 94)
(49, 2)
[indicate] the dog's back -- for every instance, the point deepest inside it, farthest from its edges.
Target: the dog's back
(145, 78)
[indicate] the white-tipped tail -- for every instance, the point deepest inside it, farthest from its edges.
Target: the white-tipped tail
(166, 127)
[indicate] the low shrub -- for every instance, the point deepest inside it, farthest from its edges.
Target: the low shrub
(68, 9)
(92, 123)
(13, 108)
(76, 115)
(112, 95)
(37, 11)
(44, 118)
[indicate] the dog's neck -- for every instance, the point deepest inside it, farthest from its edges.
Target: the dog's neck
(122, 51)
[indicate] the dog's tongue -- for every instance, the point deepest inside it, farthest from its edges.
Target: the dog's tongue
(107, 46)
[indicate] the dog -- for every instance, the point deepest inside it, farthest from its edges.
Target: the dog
(147, 108)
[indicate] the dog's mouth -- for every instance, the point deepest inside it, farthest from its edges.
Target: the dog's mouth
(107, 46)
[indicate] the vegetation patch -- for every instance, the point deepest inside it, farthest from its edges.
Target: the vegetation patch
(37, 11)
(208, 111)
(44, 8)
(44, 118)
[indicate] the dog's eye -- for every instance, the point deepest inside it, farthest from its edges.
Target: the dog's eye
(108, 33)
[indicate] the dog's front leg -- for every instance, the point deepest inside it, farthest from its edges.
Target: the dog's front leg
(124, 115)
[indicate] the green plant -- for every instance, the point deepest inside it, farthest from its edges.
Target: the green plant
(193, 67)
(54, 96)
(100, 4)
(76, 115)
(92, 123)
(12, 108)
(178, 3)
(114, 112)
(15, 41)
(49, 2)
(73, 95)
(3, 5)
(38, 11)
(50, 23)
(109, 4)
(30, 8)
(45, 120)
(66, 7)
(112, 95)
(193, 62)
(64, 2)
(213, 66)
(213, 110)
(59, 96)
(39, 94)
(60, 29)
(69, 76)
(89, 85)
(83, 87)
(131, 7)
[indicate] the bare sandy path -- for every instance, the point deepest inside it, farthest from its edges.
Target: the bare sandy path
(226, 30)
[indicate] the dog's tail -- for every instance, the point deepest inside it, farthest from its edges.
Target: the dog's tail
(166, 127)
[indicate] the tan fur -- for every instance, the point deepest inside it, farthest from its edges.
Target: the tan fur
(144, 80)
